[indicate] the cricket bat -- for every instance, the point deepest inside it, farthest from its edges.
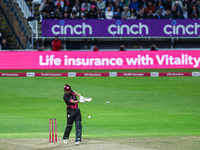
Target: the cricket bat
(87, 99)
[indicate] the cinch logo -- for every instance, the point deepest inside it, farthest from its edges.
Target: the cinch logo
(69, 29)
(174, 29)
(133, 29)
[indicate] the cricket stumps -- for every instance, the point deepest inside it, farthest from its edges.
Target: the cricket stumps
(52, 129)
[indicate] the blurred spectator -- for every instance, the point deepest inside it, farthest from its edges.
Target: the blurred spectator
(199, 13)
(133, 11)
(59, 3)
(92, 2)
(40, 49)
(74, 14)
(77, 7)
(178, 7)
(56, 16)
(141, 15)
(42, 5)
(101, 14)
(38, 45)
(95, 48)
(198, 6)
(173, 11)
(186, 4)
(151, 7)
(177, 2)
(78, 2)
(126, 12)
(52, 14)
(67, 4)
(116, 16)
(4, 45)
(122, 48)
(185, 13)
(51, 3)
(192, 3)
(143, 3)
(168, 15)
(144, 10)
(111, 8)
(121, 3)
(119, 13)
(134, 4)
(108, 2)
(93, 13)
(49, 16)
(65, 15)
(109, 13)
(71, 2)
(101, 5)
(66, 10)
(84, 12)
(161, 10)
(124, 16)
(158, 4)
(153, 47)
(194, 12)
(47, 9)
(83, 16)
(133, 16)
(58, 11)
(150, 15)
(126, 1)
(117, 6)
(56, 43)
(86, 5)
(1, 38)
(178, 15)
(158, 15)
(168, 5)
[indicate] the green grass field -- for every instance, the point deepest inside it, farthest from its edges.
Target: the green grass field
(139, 106)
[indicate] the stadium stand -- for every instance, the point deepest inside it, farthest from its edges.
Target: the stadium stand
(18, 25)
(6, 33)
(176, 7)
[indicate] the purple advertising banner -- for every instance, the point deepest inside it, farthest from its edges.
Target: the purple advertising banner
(116, 28)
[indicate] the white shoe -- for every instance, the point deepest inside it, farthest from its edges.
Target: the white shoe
(65, 141)
(77, 143)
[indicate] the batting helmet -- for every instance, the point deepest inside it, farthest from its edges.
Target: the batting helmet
(67, 87)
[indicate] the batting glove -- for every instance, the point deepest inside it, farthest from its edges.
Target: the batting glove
(82, 99)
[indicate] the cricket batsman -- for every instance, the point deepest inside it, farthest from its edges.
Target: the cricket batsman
(73, 113)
